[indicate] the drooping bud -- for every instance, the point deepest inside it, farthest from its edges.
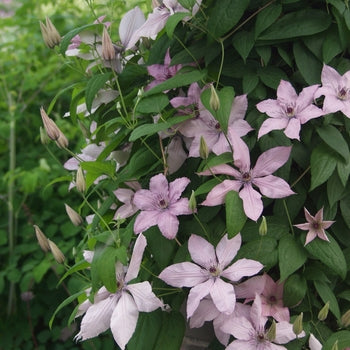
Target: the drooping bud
(43, 136)
(322, 315)
(50, 34)
(42, 239)
(263, 227)
(345, 319)
(73, 215)
(56, 252)
(214, 101)
(80, 180)
(108, 51)
(203, 148)
(298, 324)
(335, 346)
(52, 130)
(271, 333)
(193, 202)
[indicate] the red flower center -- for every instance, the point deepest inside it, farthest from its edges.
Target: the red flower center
(163, 204)
(290, 112)
(342, 94)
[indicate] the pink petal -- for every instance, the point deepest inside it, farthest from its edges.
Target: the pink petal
(330, 77)
(284, 333)
(222, 169)
(272, 108)
(168, 224)
(124, 320)
(241, 155)
(130, 22)
(238, 109)
(145, 200)
(309, 218)
(250, 287)
(306, 97)
(181, 207)
(206, 311)
(159, 185)
(273, 187)
(202, 252)
(223, 296)
(309, 113)
(241, 127)
(280, 313)
(292, 130)
(242, 268)
(144, 298)
(286, 93)
(176, 155)
(256, 314)
(197, 293)
(136, 258)
(271, 160)
(221, 145)
(240, 328)
(304, 227)
(125, 211)
(310, 237)
(124, 195)
(145, 220)
(272, 124)
(177, 187)
(227, 249)
(252, 203)
(242, 344)
(184, 274)
(314, 344)
(217, 195)
(318, 216)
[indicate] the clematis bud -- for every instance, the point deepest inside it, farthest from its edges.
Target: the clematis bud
(192, 203)
(52, 130)
(271, 333)
(203, 148)
(73, 215)
(108, 52)
(298, 325)
(345, 319)
(62, 141)
(80, 180)
(56, 252)
(42, 239)
(214, 101)
(263, 227)
(322, 315)
(50, 34)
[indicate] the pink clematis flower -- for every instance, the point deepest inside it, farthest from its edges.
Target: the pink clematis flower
(250, 333)
(126, 196)
(205, 275)
(119, 311)
(157, 19)
(260, 176)
(314, 344)
(289, 111)
(336, 91)
(161, 204)
(315, 225)
(270, 292)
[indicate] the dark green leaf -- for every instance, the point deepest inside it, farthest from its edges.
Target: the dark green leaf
(345, 209)
(235, 216)
(173, 21)
(153, 104)
(294, 290)
(243, 42)
(207, 186)
(266, 17)
(342, 337)
(343, 172)
(271, 76)
(249, 82)
(335, 189)
(327, 295)
(331, 46)
(95, 83)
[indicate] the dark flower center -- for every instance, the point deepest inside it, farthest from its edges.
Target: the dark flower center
(316, 225)
(261, 337)
(217, 126)
(163, 204)
(272, 299)
(214, 271)
(343, 94)
(246, 177)
(290, 111)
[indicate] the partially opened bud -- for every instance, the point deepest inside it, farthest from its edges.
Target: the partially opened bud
(322, 315)
(42, 239)
(263, 227)
(80, 180)
(271, 333)
(298, 325)
(73, 215)
(56, 252)
(345, 319)
(214, 101)
(50, 34)
(192, 202)
(52, 130)
(108, 51)
(203, 148)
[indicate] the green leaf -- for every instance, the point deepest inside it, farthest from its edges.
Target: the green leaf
(329, 253)
(207, 186)
(97, 168)
(187, 4)
(249, 82)
(235, 216)
(95, 83)
(243, 42)
(345, 209)
(327, 295)
(153, 104)
(266, 17)
(343, 338)
(40, 270)
(343, 172)
(331, 46)
(150, 129)
(335, 189)
(323, 162)
(79, 266)
(294, 290)
(298, 23)
(182, 78)
(335, 140)
(271, 76)
(225, 15)
(291, 256)
(173, 21)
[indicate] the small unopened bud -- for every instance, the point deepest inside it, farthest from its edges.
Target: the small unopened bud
(73, 215)
(52, 130)
(56, 252)
(43, 136)
(193, 202)
(62, 141)
(322, 315)
(335, 346)
(345, 319)
(263, 227)
(214, 101)
(50, 34)
(140, 92)
(108, 51)
(271, 333)
(42, 239)
(80, 180)
(84, 130)
(298, 325)
(203, 148)
(119, 106)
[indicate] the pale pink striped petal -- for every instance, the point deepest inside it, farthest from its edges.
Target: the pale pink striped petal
(145, 299)
(227, 249)
(242, 268)
(202, 252)
(197, 293)
(223, 295)
(136, 258)
(217, 195)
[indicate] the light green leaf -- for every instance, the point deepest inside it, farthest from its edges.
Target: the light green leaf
(327, 295)
(153, 104)
(40, 270)
(342, 337)
(173, 21)
(235, 216)
(95, 83)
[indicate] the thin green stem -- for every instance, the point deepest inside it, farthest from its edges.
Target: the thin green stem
(201, 225)
(301, 176)
(288, 216)
(221, 62)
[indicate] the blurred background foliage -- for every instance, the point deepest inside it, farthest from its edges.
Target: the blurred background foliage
(30, 76)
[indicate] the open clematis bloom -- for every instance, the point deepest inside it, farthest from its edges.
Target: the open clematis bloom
(259, 176)
(289, 111)
(161, 204)
(250, 333)
(204, 276)
(336, 91)
(119, 311)
(315, 225)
